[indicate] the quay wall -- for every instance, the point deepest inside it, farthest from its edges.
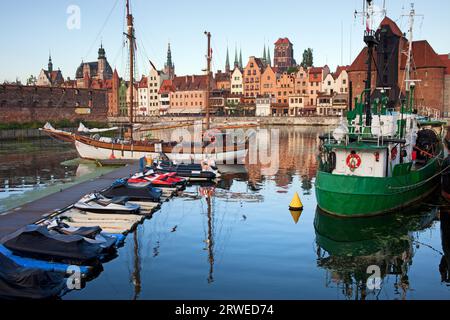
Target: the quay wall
(264, 121)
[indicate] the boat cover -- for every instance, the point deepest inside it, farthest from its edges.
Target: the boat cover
(121, 188)
(37, 242)
(17, 282)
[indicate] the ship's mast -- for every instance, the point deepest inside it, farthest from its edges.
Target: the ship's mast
(130, 35)
(409, 82)
(208, 76)
(371, 40)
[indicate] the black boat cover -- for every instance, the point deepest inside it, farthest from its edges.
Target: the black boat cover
(37, 242)
(20, 283)
(121, 188)
(185, 170)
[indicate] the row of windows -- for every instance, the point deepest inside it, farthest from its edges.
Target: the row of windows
(296, 100)
(179, 96)
(176, 104)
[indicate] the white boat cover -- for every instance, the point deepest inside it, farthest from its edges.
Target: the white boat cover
(83, 128)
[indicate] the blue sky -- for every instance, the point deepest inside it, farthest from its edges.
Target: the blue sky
(31, 28)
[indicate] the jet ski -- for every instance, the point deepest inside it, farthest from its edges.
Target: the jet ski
(160, 180)
(133, 191)
(39, 242)
(17, 282)
(94, 233)
(164, 177)
(98, 203)
(193, 171)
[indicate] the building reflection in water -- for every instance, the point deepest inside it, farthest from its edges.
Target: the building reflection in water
(346, 248)
(297, 157)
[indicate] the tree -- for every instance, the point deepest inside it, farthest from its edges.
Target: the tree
(31, 81)
(308, 59)
(292, 70)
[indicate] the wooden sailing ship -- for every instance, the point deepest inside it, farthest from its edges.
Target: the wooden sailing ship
(214, 145)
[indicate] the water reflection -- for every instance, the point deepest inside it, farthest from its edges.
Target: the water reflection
(346, 248)
(297, 157)
(444, 266)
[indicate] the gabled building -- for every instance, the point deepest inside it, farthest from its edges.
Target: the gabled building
(316, 75)
(50, 77)
(285, 88)
(237, 79)
(223, 80)
(164, 94)
(155, 80)
(301, 82)
(252, 79)
(336, 82)
(269, 82)
(190, 94)
(142, 97)
(99, 70)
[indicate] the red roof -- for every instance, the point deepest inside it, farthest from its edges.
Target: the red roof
(446, 60)
(283, 41)
(166, 87)
(424, 56)
(143, 83)
(394, 27)
(190, 83)
(360, 63)
(339, 70)
(314, 70)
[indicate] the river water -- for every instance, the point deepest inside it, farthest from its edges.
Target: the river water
(242, 242)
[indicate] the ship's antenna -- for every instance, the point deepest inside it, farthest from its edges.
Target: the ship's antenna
(412, 14)
(208, 73)
(371, 40)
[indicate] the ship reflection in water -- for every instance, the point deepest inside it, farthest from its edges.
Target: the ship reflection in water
(238, 240)
(351, 249)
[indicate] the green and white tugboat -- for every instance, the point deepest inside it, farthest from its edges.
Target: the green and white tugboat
(379, 160)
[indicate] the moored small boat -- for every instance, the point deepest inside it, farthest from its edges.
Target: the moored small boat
(98, 203)
(40, 243)
(133, 192)
(379, 160)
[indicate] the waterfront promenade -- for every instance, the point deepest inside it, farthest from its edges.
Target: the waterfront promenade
(32, 212)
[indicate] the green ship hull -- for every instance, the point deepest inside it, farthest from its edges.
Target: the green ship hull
(354, 196)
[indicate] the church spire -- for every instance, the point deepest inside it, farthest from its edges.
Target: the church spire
(236, 60)
(269, 58)
(169, 67)
(240, 60)
(169, 57)
(50, 63)
(264, 55)
(227, 62)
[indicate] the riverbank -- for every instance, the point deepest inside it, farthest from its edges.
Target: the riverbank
(263, 121)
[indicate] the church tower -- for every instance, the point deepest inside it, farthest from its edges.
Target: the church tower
(101, 63)
(50, 64)
(169, 67)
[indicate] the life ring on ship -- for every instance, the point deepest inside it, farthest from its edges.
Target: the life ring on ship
(394, 153)
(353, 161)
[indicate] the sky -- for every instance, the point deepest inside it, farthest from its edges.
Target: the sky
(31, 29)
